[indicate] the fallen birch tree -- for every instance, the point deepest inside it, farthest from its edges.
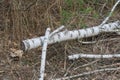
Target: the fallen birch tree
(69, 35)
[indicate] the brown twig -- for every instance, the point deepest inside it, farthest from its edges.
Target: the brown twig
(89, 63)
(88, 73)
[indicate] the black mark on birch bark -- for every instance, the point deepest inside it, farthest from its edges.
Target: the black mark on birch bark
(102, 56)
(41, 42)
(84, 34)
(79, 33)
(58, 36)
(28, 45)
(92, 30)
(44, 50)
(71, 35)
(110, 25)
(33, 41)
(117, 26)
(45, 38)
(119, 23)
(101, 29)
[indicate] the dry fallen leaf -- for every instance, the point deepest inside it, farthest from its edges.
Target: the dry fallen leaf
(16, 53)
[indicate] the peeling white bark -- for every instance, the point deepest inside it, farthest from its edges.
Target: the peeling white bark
(68, 35)
(43, 58)
(81, 55)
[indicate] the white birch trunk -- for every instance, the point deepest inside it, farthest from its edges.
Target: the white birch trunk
(81, 55)
(68, 35)
(43, 58)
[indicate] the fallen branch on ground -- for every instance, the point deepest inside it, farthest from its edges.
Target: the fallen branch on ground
(43, 58)
(111, 12)
(68, 35)
(103, 40)
(81, 55)
(87, 73)
(89, 63)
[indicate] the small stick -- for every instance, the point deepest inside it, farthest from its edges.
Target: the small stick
(57, 30)
(112, 10)
(89, 63)
(110, 65)
(44, 49)
(81, 55)
(68, 69)
(88, 73)
(102, 40)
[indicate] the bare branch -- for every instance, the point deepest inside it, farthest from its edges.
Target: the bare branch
(81, 55)
(44, 49)
(56, 31)
(110, 14)
(87, 73)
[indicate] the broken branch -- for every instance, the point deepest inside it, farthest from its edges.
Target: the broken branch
(44, 49)
(81, 55)
(87, 73)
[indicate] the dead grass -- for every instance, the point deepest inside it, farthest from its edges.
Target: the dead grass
(29, 18)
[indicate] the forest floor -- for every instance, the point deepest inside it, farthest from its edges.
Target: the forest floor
(25, 19)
